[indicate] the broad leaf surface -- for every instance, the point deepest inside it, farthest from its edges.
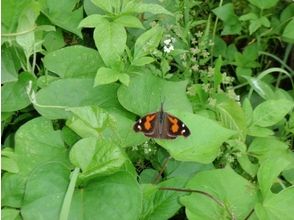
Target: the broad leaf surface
(14, 94)
(146, 91)
(115, 126)
(45, 190)
(105, 198)
(235, 192)
(110, 39)
(277, 206)
(96, 157)
(203, 145)
(62, 94)
(80, 62)
(63, 14)
(36, 142)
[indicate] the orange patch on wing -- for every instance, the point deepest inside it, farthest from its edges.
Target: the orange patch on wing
(147, 124)
(174, 127)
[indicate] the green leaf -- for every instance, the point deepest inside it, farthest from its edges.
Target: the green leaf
(271, 112)
(288, 32)
(277, 206)
(45, 190)
(27, 22)
(54, 99)
(287, 12)
(104, 5)
(14, 94)
(9, 165)
(231, 115)
(12, 189)
(148, 176)
(264, 21)
(63, 14)
(147, 42)
(80, 62)
(9, 214)
(36, 143)
(96, 157)
(105, 76)
(248, 16)
(203, 145)
(264, 148)
(129, 21)
(92, 21)
(133, 7)
(264, 4)
(254, 26)
(146, 91)
(10, 64)
(124, 79)
(185, 169)
(162, 204)
(96, 122)
(270, 169)
(111, 192)
(248, 111)
(257, 131)
(54, 40)
(289, 175)
(260, 87)
(142, 61)
(236, 193)
(110, 39)
(227, 15)
(11, 12)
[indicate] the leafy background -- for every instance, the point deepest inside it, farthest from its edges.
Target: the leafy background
(77, 74)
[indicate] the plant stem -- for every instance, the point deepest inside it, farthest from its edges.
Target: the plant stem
(69, 194)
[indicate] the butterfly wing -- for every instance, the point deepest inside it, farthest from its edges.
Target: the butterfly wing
(147, 125)
(174, 127)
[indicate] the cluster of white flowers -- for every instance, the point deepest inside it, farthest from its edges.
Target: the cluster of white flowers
(168, 45)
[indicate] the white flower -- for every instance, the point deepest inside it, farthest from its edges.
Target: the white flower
(167, 41)
(168, 49)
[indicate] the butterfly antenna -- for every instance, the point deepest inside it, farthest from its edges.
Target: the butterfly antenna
(161, 103)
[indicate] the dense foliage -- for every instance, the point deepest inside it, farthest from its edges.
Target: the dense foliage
(77, 74)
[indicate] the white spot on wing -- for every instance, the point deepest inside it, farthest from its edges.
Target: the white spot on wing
(140, 121)
(139, 127)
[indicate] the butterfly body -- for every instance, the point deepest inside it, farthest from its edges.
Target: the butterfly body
(161, 125)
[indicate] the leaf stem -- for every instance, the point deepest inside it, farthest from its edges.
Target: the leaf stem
(69, 194)
(220, 203)
(164, 165)
(19, 33)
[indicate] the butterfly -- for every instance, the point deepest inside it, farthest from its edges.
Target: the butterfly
(161, 125)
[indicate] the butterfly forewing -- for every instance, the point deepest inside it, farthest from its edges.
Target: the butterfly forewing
(146, 124)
